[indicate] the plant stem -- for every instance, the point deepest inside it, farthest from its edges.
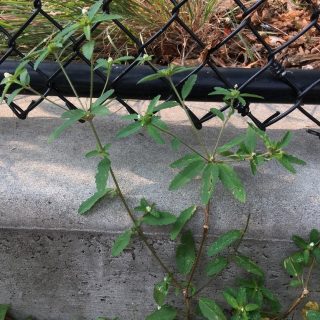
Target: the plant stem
(91, 83)
(131, 215)
(180, 140)
(106, 83)
(69, 80)
(221, 131)
(202, 144)
(205, 231)
(45, 98)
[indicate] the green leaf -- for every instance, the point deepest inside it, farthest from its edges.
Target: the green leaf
(231, 300)
(316, 254)
(165, 313)
(220, 91)
(295, 160)
(74, 116)
(186, 253)
(4, 308)
(210, 177)
(129, 130)
(231, 181)
(224, 241)
(293, 267)
(152, 104)
(248, 265)
(102, 174)
(183, 218)
(161, 290)
(166, 105)
(216, 266)
(187, 174)
(217, 113)
(314, 236)
(285, 162)
(185, 160)
(88, 48)
(250, 139)
(42, 56)
(102, 99)
(295, 283)
(232, 143)
(13, 95)
(285, 140)
(313, 315)
(188, 86)
(163, 218)
(150, 78)
(211, 310)
(107, 17)
(299, 242)
(155, 134)
(90, 202)
(94, 9)
(121, 243)
(175, 144)
(251, 307)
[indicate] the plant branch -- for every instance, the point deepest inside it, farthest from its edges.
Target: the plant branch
(199, 255)
(131, 215)
(69, 80)
(180, 140)
(202, 144)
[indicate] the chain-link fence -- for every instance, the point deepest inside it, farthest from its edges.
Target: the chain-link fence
(272, 81)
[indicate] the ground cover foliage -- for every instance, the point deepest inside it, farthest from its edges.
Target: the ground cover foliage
(212, 165)
(277, 21)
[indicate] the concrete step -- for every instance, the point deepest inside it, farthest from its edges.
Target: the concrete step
(57, 264)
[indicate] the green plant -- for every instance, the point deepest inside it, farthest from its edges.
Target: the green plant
(250, 297)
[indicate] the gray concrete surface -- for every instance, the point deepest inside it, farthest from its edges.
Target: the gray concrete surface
(57, 265)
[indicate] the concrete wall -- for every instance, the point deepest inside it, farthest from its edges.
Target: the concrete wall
(57, 265)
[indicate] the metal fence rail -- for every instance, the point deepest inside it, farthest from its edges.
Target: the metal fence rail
(272, 81)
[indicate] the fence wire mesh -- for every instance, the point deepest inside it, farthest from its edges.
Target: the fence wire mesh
(209, 53)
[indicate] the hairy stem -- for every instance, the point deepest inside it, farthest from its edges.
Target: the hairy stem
(184, 107)
(180, 140)
(69, 80)
(131, 215)
(205, 231)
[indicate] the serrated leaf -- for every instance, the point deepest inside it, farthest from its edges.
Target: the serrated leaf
(90, 202)
(152, 104)
(217, 113)
(165, 313)
(166, 105)
(232, 143)
(150, 78)
(186, 253)
(250, 139)
(102, 99)
(285, 140)
(231, 182)
(185, 160)
(248, 265)
(121, 243)
(75, 116)
(299, 242)
(224, 241)
(154, 133)
(216, 266)
(295, 160)
(293, 267)
(129, 130)
(210, 177)
(188, 86)
(102, 174)
(163, 218)
(285, 162)
(187, 174)
(88, 48)
(94, 9)
(314, 236)
(13, 95)
(211, 310)
(160, 291)
(4, 308)
(231, 300)
(183, 218)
